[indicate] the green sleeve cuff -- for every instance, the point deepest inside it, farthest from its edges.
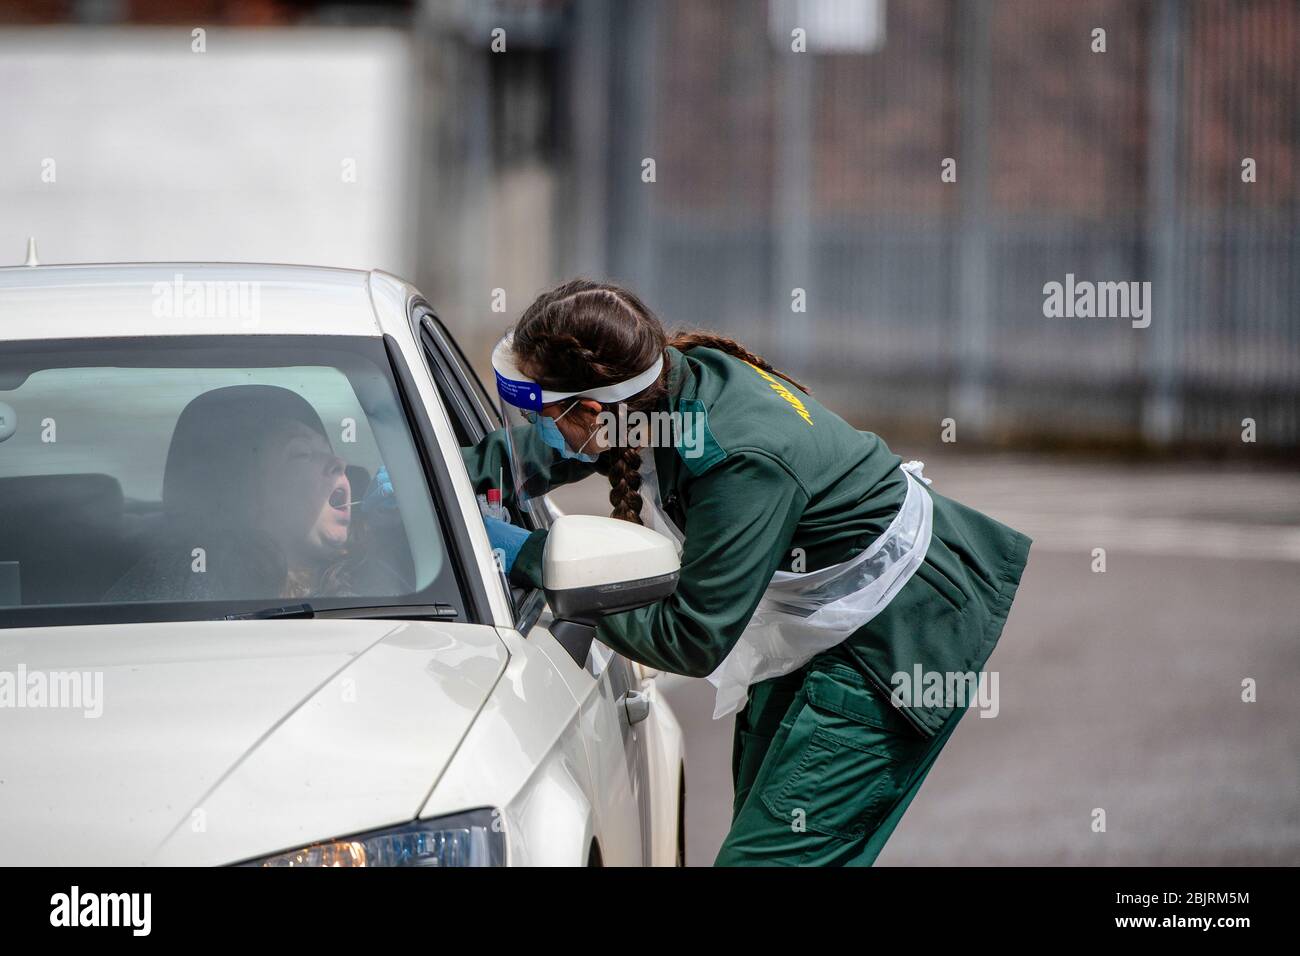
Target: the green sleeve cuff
(527, 569)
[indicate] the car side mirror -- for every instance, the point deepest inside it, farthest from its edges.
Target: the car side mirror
(593, 567)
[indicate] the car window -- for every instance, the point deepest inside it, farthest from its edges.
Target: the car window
(473, 417)
(478, 396)
(209, 476)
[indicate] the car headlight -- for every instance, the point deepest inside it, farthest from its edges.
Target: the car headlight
(474, 838)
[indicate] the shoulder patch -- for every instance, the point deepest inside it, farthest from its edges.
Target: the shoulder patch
(698, 449)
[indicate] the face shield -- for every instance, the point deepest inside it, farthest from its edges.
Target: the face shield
(540, 453)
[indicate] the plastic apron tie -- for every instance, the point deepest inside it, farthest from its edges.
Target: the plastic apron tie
(654, 517)
(801, 615)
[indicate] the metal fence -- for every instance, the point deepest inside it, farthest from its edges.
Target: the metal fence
(1107, 157)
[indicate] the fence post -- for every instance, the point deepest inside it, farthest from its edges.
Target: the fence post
(585, 210)
(1162, 409)
(632, 138)
(973, 229)
(793, 183)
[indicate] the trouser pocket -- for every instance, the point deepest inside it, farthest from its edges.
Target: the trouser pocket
(770, 704)
(847, 758)
(751, 750)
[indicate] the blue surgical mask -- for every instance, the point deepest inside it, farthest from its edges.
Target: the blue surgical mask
(549, 432)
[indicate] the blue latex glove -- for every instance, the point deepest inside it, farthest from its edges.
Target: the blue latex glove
(507, 539)
(379, 497)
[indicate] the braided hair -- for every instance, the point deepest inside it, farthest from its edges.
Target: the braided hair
(584, 334)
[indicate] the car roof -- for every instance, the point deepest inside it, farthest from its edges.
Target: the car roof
(185, 298)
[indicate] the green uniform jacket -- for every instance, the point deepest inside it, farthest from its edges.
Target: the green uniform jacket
(779, 479)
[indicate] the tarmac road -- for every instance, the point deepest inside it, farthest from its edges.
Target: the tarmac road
(1118, 690)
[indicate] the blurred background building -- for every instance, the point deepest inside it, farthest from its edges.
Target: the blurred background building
(478, 169)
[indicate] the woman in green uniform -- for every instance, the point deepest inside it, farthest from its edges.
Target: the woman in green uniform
(819, 575)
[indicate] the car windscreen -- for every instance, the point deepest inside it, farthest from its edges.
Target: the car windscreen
(156, 479)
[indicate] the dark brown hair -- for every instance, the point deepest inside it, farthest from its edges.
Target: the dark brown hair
(584, 334)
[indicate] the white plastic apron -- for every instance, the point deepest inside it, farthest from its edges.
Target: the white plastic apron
(801, 615)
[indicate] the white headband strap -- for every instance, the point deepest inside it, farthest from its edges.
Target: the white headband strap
(524, 393)
(614, 392)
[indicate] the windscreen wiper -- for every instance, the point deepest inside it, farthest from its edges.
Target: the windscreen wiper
(412, 612)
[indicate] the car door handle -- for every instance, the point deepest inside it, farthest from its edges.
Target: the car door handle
(637, 706)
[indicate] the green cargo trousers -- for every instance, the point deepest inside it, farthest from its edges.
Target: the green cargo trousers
(824, 767)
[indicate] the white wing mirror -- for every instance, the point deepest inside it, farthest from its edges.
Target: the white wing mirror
(597, 566)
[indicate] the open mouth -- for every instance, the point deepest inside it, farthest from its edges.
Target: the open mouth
(339, 499)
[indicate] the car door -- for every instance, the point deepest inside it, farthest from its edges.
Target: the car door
(604, 684)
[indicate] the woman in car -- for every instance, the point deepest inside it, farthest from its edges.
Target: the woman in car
(816, 566)
(256, 505)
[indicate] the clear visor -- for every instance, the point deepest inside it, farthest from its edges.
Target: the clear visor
(536, 464)
(533, 433)
(546, 445)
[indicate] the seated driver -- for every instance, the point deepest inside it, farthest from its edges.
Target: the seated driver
(257, 505)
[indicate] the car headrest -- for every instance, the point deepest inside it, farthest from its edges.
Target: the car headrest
(60, 505)
(211, 463)
(60, 532)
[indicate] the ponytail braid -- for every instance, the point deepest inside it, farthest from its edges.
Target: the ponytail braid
(625, 484)
(686, 340)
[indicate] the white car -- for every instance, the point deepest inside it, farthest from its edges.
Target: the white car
(249, 611)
